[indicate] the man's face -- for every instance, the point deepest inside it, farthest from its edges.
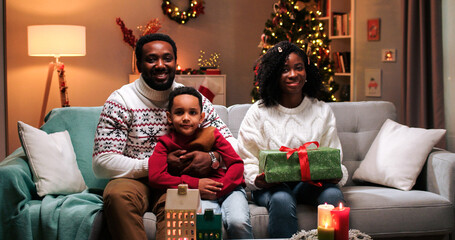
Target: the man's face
(158, 65)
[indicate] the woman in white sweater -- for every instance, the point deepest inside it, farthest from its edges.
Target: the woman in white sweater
(288, 114)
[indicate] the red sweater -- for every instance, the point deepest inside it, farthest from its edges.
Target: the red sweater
(159, 177)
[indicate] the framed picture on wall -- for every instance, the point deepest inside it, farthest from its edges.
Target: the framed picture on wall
(373, 30)
(373, 82)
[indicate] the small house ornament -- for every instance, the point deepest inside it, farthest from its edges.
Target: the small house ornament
(182, 205)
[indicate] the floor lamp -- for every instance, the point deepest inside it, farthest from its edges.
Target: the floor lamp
(55, 41)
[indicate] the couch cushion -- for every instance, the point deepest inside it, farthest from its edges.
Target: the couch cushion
(80, 122)
(358, 123)
(397, 155)
(223, 113)
(236, 114)
(397, 212)
(52, 160)
(379, 212)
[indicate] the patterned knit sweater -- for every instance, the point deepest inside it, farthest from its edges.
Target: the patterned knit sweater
(132, 120)
(272, 127)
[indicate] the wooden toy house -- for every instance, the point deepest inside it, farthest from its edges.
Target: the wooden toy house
(181, 207)
(209, 225)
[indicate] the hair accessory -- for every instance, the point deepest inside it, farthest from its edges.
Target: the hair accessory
(280, 49)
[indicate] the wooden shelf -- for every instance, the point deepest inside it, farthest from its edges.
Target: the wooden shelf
(343, 43)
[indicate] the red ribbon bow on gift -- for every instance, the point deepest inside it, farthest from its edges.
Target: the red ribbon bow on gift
(303, 159)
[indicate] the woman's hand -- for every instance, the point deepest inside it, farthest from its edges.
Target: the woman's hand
(208, 188)
(261, 183)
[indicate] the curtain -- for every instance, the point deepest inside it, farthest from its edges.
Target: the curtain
(423, 95)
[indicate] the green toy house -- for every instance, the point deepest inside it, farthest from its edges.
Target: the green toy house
(209, 226)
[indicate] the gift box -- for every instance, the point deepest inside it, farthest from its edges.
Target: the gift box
(322, 163)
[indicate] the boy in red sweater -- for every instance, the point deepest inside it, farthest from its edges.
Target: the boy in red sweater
(223, 190)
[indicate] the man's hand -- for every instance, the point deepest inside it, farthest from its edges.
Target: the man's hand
(261, 183)
(201, 164)
(208, 188)
(175, 164)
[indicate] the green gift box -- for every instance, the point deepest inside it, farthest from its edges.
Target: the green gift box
(323, 164)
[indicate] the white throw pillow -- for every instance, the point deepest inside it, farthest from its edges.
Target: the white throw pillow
(397, 155)
(52, 161)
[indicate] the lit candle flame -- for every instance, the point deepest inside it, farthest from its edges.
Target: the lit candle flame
(178, 67)
(326, 224)
(341, 205)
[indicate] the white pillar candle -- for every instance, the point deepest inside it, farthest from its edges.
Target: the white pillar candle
(324, 215)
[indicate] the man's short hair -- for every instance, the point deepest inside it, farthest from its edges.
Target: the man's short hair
(150, 38)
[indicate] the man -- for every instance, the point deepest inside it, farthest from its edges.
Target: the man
(132, 120)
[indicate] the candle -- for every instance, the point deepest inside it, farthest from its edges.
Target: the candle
(325, 232)
(340, 221)
(324, 215)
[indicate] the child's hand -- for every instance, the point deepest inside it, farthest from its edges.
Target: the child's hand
(208, 188)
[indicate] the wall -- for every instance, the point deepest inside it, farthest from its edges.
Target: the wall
(368, 53)
(448, 35)
(231, 28)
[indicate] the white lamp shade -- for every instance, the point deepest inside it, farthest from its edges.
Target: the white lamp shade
(56, 40)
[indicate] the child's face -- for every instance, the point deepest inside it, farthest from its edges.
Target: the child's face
(185, 114)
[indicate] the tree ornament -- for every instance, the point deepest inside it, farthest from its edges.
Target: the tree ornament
(196, 7)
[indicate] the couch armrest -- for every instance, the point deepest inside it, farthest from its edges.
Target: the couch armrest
(441, 174)
(16, 187)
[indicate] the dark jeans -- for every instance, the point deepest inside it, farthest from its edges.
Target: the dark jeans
(281, 203)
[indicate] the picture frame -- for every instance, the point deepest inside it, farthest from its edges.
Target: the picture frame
(373, 82)
(373, 30)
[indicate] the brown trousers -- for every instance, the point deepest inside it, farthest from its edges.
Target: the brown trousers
(125, 203)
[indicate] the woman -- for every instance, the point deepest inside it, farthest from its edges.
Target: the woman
(288, 114)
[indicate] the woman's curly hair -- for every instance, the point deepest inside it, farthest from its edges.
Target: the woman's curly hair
(270, 66)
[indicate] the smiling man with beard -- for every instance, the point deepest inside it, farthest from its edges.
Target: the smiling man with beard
(132, 120)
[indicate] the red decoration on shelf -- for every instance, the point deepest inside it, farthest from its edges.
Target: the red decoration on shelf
(128, 36)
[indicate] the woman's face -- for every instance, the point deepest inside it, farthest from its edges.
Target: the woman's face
(293, 76)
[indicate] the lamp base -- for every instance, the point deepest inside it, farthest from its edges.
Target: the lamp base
(63, 88)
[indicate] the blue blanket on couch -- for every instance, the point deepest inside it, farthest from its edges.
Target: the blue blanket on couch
(26, 216)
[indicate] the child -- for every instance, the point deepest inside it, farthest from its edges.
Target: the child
(223, 191)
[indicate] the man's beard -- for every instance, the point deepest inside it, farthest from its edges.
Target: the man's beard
(159, 86)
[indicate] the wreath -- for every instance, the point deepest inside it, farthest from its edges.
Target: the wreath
(196, 7)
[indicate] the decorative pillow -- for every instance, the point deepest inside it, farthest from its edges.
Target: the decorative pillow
(397, 155)
(52, 161)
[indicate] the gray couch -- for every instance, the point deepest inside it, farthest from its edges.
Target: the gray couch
(425, 212)
(381, 212)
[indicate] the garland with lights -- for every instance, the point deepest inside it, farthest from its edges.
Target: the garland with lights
(297, 21)
(196, 7)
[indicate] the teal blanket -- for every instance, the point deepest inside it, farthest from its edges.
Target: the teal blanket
(26, 216)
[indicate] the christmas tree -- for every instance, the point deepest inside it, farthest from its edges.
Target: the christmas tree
(298, 21)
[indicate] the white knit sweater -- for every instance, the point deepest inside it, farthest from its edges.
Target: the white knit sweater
(272, 127)
(132, 120)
